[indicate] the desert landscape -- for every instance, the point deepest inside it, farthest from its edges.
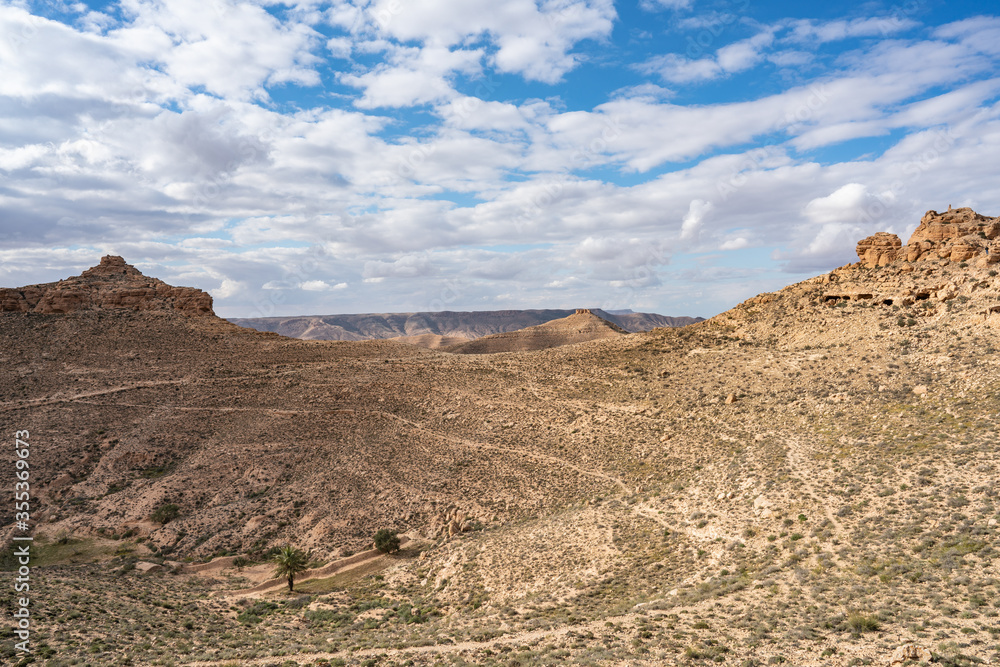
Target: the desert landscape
(808, 478)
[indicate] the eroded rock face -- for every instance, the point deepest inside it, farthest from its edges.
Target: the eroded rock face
(879, 249)
(956, 235)
(110, 285)
(953, 224)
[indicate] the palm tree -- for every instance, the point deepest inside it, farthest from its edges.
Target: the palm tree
(289, 562)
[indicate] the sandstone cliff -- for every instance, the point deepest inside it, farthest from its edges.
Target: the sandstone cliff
(111, 285)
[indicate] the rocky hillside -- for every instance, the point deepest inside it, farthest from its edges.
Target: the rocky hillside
(580, 327)
(447, 324)
(112, 285)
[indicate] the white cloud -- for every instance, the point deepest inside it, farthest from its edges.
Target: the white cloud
(414, 76)
(320, 286)
(228, 289)
(843, 204)
(659, 5)
(810, 31)
(730, 59)
(697, 211)
(532, 40)
(230, 48)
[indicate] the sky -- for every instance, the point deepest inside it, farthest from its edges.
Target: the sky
(355, 156)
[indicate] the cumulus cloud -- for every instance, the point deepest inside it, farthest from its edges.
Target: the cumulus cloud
(729, 59)
(843, 204)
(695, 215)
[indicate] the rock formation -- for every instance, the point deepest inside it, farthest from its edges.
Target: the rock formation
(957, 235)
(879, 249)
(111, 285)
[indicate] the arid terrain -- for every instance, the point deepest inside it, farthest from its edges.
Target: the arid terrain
(806, 479)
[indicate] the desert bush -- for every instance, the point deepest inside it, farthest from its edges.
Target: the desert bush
(166, 513)
(858, 623)
(386, 541)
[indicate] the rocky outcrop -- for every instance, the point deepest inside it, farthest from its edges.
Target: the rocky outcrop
(111, 285)
(956, 235)
(879, 249)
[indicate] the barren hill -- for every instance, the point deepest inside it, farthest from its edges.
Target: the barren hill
(111, 285)
(581, 326)
(449, 324)
(806, 479)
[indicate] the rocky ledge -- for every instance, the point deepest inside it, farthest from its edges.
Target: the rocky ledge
(111, 285)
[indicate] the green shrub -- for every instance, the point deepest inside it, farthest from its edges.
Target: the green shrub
(166, 513)
(859, 623)
(387, 541)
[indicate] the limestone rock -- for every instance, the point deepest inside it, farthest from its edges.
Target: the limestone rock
(111, 285)
(879, 249)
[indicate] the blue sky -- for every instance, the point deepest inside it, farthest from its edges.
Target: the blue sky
(674, 156)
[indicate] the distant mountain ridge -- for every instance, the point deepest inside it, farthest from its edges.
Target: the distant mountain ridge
(470, 324)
